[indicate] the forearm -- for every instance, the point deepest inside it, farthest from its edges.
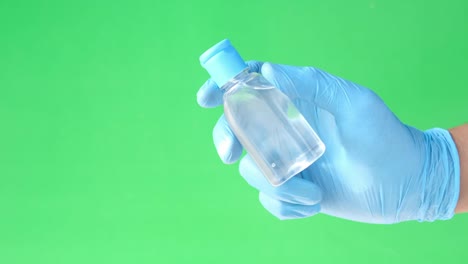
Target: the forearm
(460, 136)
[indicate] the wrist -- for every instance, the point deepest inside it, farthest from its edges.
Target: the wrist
(440, 178)
(460, 138)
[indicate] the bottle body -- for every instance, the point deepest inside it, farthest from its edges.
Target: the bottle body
(270, 128)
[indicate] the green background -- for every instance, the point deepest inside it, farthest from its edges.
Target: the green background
(105, 156)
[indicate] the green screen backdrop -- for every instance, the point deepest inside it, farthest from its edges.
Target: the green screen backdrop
(105, 156)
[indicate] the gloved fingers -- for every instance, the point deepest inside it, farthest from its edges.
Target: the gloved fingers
(228, 147)
(336, 95)
(210, 95)
(296, 190)
(254, 66)
(284, 210)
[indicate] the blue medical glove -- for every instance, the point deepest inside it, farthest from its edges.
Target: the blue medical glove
(375, 169)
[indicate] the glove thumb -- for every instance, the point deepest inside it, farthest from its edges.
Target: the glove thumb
(328, 92)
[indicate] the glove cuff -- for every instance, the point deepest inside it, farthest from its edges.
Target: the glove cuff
(441, 184)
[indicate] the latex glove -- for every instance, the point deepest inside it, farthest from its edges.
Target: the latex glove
(375, 169)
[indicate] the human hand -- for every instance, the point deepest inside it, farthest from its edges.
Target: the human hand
(375, 169)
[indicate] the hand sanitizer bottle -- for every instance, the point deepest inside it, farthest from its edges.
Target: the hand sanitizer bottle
(265, 121)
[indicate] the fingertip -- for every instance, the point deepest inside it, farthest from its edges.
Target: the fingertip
(284, 211)
(268, 69)
(227, 145)
(273, 206)
(209, 95)
(251, 174)
(228, 151)
(278, 75)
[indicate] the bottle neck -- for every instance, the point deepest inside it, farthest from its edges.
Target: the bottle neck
(243, 75)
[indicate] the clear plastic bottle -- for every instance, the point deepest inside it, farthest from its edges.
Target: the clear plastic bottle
(266, 122)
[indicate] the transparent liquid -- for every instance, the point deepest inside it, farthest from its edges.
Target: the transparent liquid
(270, 127)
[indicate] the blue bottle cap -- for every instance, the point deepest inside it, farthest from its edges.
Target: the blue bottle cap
(222, 62)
